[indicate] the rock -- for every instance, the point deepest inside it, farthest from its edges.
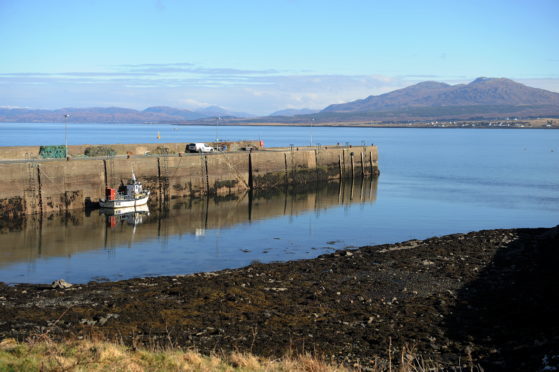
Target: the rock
(90, 322)
(106, 318)
(60, 283)
(276, 289)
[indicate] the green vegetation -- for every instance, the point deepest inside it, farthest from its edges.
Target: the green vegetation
(99, 151)
(226, 183)
(52, 152)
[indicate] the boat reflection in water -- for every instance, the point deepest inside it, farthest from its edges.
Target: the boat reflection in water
(130, 215)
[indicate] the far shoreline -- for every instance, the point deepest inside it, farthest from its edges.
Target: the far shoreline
(540, 123)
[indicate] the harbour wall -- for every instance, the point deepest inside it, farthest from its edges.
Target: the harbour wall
(35, 186)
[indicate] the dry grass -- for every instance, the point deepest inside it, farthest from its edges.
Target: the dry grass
(76, 356)
(87, 355)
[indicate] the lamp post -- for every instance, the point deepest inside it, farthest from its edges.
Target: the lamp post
(216, 128)
(66, 116)
(312, 122)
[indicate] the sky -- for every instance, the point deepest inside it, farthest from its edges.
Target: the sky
(261, 56)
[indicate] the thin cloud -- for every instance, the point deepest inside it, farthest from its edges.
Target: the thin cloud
(72, 74)
(161, 72)
(186, 67)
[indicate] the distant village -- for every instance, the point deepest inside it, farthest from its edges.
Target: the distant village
(505, 123)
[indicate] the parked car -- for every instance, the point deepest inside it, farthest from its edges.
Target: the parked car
(199, 147)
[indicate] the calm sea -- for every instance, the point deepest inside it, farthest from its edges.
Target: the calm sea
(432, 182)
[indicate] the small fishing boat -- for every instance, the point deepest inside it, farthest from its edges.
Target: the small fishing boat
(130, 195)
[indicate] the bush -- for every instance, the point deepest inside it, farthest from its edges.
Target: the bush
(162, 151)
(99, 151)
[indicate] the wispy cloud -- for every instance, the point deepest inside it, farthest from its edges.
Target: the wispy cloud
(190, 68)
(162, 74)
(210, 71)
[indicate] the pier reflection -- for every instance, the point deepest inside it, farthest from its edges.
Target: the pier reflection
(43, 236)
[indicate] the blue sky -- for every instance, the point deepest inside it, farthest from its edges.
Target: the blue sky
(262, 56)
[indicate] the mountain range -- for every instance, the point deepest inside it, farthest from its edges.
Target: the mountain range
(483, 98)
(482, 91)
(155, 114)
(293, 112)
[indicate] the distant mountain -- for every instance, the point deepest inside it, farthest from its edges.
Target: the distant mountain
(156, 114)
(293, 112)
(171, 112)
(481, 96)
(211, 111)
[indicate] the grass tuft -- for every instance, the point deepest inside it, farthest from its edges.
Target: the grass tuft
(87, 355)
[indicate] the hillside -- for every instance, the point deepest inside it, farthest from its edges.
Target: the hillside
(482, 97)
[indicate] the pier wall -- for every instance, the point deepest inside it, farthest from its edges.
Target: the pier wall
(36, 186)
(33, 152)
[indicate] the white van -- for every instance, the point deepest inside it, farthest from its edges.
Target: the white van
(199, 147)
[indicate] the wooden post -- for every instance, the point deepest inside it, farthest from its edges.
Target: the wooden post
(341, 169)
(286, 169)
(352, 169)
(362, 165)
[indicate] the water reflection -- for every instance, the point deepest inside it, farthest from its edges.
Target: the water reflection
(41, 237)
(130, 215)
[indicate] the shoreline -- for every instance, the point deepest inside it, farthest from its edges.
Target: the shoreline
(487, 295)
(318, 125)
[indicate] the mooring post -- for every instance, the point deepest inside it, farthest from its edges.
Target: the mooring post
(207, 177)
(250, 176)
(352, 169)
(286, 168)
(341, 169)
(40, 190)
(362, 164)
(105, 172)
(316, 163)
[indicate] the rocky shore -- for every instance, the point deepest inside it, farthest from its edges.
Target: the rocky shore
(486, 298)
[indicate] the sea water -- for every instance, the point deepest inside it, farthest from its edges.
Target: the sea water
(433, 182)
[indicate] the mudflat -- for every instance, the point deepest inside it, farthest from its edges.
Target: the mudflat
(486, 298)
